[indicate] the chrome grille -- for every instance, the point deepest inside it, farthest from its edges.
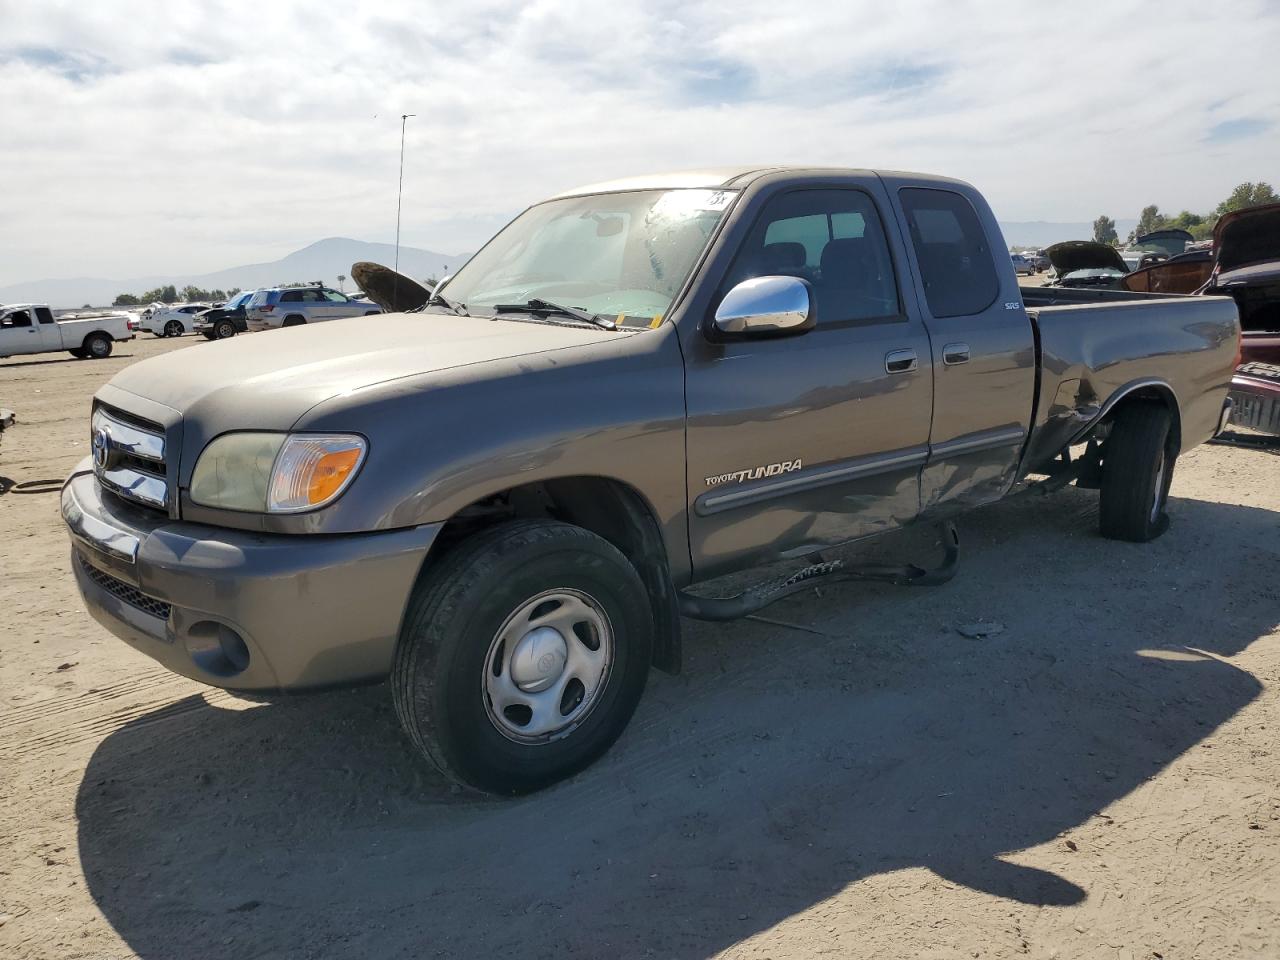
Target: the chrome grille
(125, 591)
(129, 457)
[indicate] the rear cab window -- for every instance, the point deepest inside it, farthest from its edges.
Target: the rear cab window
(956, 264)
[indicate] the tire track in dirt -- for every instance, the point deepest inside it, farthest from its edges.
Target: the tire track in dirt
(61, 722)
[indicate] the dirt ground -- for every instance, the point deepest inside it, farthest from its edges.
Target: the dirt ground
(1098, 779)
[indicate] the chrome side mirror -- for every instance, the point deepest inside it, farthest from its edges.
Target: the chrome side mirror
(766, 306)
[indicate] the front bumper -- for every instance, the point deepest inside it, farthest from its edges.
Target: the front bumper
(241, 610)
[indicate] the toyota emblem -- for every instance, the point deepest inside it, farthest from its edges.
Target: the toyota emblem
(101, 441)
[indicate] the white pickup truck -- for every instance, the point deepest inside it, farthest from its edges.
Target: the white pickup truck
(32, 328)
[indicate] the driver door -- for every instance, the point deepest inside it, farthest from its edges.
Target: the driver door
(18, 334)
(807, 441)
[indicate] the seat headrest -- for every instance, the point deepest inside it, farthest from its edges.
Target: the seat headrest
(847, 260)
(780, 257)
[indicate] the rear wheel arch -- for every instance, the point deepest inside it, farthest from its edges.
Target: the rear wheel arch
(1150, 392)
(609, 508)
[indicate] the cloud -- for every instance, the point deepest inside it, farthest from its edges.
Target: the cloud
(189, 136)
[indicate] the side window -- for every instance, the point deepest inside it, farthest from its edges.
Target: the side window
(334, 296)
(291, 296)
(44, 314)
(312, 296)
(19, 318)
(956, 263)
(832, 238)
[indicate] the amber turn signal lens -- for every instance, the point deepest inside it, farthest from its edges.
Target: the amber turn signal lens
(312, 469)
(330, 474)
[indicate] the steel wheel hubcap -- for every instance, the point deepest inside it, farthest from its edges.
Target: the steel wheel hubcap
(547, 666)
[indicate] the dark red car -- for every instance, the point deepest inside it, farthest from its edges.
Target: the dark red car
(1245, 265)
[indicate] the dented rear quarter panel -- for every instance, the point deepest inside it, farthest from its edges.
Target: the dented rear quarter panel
(1092, 355)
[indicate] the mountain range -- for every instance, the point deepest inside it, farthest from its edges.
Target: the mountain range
(327, 259)
(323, 260)
(1042, 233)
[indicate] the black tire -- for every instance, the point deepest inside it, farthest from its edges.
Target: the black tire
(460, 604)
(97, 346)
(210, 336)
(1137, 468)
(371, 313)
(294, 321)
(78, 353)
(224, 330)
(174, 328)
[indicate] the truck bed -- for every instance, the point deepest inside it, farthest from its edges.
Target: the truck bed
(1095, 346)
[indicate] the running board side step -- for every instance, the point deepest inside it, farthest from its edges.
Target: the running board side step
(830, 571)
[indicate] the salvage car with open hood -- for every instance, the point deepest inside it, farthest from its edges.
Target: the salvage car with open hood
(1084, 263)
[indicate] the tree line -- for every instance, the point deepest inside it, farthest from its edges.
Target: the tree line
(171, 294)
(1199, 226)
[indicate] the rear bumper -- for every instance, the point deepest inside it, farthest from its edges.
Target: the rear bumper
(242, 610)
(1255, 395)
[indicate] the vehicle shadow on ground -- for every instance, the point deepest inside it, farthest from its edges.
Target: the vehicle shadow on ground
(42, 363)
(780, 767)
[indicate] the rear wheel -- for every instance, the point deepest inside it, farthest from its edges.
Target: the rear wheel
(97, 346)
(295, 320)
(523, 655)
(224, 330)
(174, 328)
(1137, 469)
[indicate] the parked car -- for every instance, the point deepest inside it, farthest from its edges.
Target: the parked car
(1040, 259)
(32, 328)
(224, 321)
(174, 320)
(1022, 266)
(501, 501)
(293, 306)
(1243, 262)
(1084, 263)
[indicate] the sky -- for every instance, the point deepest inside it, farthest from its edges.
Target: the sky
(153, 138)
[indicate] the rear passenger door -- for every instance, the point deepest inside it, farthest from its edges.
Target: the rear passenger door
(983, 347)
(801, 442)
(50, 334)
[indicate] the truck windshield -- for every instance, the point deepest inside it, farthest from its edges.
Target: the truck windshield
(619, 255)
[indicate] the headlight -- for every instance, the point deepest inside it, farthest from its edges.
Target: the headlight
(276, 472)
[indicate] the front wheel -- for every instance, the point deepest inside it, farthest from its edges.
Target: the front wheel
(173, 329)
(523, 655)
(225, 330)
(1137, 469)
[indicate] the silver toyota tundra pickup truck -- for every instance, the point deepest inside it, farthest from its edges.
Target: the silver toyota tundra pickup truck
(500, 500)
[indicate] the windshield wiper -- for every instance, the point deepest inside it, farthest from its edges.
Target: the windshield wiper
(537, 305)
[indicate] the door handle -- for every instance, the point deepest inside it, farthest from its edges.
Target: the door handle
(900, 361)
(954, 353)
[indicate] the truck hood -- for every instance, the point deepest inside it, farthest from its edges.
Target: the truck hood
(268, 380)
(1247, 237)
(1072, 255)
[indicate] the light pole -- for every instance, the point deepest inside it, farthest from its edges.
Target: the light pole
(404, 117)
